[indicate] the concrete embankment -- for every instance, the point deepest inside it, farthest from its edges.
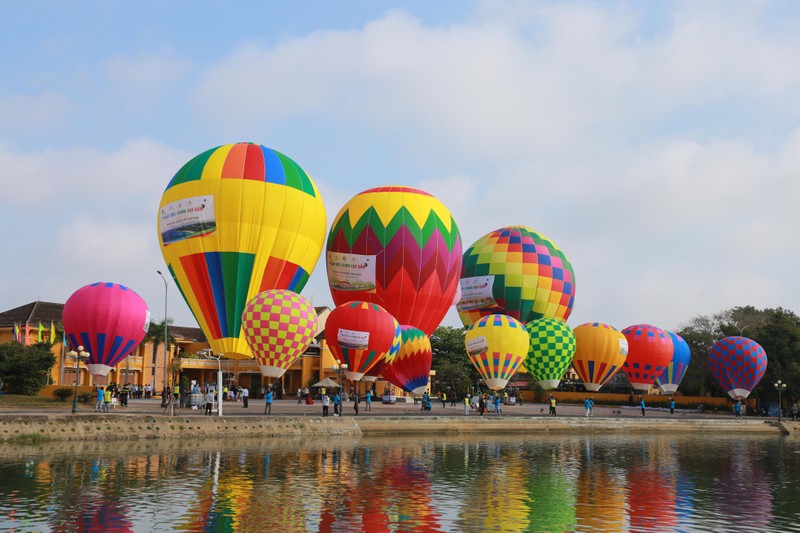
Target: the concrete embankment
(122, 427)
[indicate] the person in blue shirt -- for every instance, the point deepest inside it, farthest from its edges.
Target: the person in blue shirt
(589, 405)
(268, 403)
(737, 409)
(497, 403)
(98, 406)
(368, 401)
(336, 401)
(671, 406)
(642, 404)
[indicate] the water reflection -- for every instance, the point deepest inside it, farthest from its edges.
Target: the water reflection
(549, 483)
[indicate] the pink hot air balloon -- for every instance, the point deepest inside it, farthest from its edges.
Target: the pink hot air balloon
(108, 320)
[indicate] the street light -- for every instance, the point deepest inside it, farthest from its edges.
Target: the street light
(166, 337)
(208, 352)
(780, 387)
(79, 355)
(340, 367)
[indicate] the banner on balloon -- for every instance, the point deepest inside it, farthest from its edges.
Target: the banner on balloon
(353, 340)
(477, 345)
(187, 218)
(351, 272)
(476, 293)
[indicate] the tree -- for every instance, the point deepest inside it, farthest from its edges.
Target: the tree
(25, 369)
(155, 334)
(450, 359)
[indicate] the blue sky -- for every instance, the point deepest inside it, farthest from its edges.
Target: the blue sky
(657, 143)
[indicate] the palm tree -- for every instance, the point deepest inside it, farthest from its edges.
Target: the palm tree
(155, 334)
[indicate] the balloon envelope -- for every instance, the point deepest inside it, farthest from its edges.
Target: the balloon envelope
(109, 320)
(673, 374)
(737, 364)
(497, 345)
(649, 352)
(411, 369)
(397, 247)
(600, 351)
(361, 334)
(550, 353)
(235, 221)
(517, 272)
(279, 325)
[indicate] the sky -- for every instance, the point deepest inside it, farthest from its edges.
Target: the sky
(656, 143)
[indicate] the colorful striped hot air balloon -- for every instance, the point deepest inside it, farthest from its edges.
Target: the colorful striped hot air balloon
(673, 374)
(279, 325)
(108, 320)
(737, 364)
(600, 351)
(517, 272)
(649, 353)
(497, 345)
(235, 221)
(411, 369)
(361, 334)
(552, 347)
(397, 247)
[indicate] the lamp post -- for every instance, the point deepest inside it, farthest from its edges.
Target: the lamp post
(80, 354)
(210, 353)
(780, 387)
(340, 367)
(166, 336)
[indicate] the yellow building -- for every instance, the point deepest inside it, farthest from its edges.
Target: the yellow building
(146, 365)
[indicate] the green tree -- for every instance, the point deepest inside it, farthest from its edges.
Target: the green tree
(450, 360)
(155, 334)
(25, 369)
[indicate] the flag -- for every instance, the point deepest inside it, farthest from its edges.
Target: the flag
(16, 332)
(27, 333)
(52, 333)
(39, 336)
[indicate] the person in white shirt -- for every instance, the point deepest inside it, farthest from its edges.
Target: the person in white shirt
(326, 403)
(245, 395)
(209, 399)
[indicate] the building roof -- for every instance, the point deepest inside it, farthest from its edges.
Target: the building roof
(32, 313)
(188, 334)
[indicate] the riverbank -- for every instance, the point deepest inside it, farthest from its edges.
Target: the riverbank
(110, 427)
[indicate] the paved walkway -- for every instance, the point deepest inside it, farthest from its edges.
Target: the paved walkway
(292, 408)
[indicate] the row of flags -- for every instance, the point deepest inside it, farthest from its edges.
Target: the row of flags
(26, 338)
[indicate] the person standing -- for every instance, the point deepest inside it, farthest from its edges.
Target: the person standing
(794, 411)
(368, 401)
(737, 409)
(98, 406)
(107, 400)
(552, 405)
(497, 403)
(671, 406)
(326, 402)
(268, 402)
(299, 395)
(589, 405)
(453, 399)
(424, 400)
(356, 401)
(209, 401)
(245, 396)
(466, 405)
(481, 404)
(642, 404)
(337, 400)
(444, 399)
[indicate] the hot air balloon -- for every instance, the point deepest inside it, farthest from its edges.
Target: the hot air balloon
(108, 320)
(673, 374)
(361, 334)
(377, 369)
(411, 369)
(279, 325)
(738, 364)
(397, 247)
(235, 221)
(649, 353)
(600, 351)
(497, 345)
(552, 347)
(517, 272)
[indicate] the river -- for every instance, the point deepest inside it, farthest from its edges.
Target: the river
(647, 483)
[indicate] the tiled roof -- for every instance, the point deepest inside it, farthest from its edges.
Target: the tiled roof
(32, 313)
(188, 334)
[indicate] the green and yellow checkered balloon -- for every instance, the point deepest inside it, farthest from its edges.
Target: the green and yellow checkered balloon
(552, 347)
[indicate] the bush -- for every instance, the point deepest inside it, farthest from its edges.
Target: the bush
(86, 397)
(62, 393)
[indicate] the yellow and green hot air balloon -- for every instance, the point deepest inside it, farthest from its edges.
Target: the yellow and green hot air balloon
(233, 222)
(552, 347)
(496, 345)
